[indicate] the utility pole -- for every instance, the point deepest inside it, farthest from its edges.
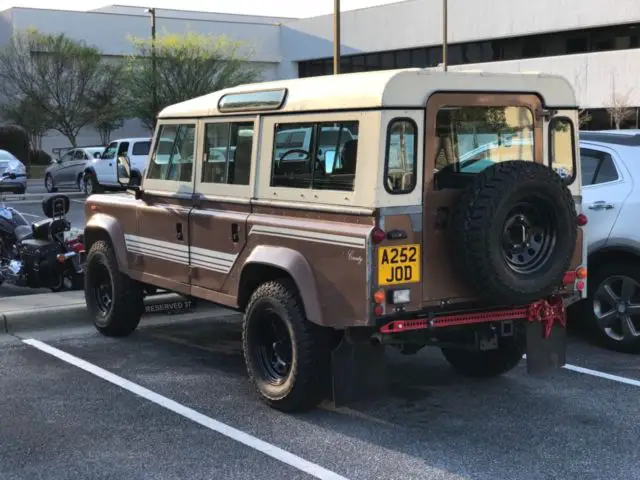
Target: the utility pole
(444, 34)
(336, 37)
(154, 85)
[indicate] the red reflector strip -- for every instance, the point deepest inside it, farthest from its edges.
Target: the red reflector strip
(569, 277)
(397, 326)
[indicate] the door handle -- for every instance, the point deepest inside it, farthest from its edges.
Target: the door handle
(600, 205)
(234, 233)
(179, 233)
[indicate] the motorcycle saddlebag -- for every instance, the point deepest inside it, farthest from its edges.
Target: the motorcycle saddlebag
(39, 261)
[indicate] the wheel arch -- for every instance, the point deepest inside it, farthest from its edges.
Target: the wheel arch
(268, 262)
(606, 255)
(105, 227)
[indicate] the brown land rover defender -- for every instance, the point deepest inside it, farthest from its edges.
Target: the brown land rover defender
(455, 223)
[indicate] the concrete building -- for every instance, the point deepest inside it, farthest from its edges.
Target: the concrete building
(595, 46)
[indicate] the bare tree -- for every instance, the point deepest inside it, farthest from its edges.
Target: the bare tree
(579, 83)
(619, 105)
(56, 74)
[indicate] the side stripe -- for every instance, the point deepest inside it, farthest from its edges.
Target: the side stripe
(212, 260)
(295, 234)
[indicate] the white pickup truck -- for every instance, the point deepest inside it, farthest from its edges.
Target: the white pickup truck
(101, 173)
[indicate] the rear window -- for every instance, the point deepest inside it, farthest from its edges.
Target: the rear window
(470, 139)
(141, 148)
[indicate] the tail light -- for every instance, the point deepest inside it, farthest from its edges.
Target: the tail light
(378, 235)
(582, 220)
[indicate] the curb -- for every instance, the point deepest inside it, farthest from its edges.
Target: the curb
(74, 313)
(36, 197)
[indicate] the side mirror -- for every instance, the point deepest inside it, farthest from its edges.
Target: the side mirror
(124, 171)
(329, 160)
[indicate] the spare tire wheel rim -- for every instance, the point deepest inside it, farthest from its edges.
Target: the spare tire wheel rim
(616, 306)
(529, 234)
(102, 290)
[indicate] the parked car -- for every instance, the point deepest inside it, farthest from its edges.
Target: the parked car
(9, 163)
(101, 173)
(611, 200)
(68, 170)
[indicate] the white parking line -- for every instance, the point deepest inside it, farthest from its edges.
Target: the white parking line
(596, 373)
(30, 215)
(239, 436)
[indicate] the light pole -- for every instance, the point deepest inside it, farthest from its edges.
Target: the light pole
(154, 88)
(444, 34)
(336, 37)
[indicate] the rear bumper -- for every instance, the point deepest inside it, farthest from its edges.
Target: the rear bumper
(548, 313)
(8, 184)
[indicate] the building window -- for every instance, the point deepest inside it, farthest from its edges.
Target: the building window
(320, 156)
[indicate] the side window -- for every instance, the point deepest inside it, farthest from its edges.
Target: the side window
(141, 148)
(228, 148)
(401, 156)
(320, 156)
(172, 158)
(67, 156)
(597, 167)
(110, 152)
(123, 149)
(562, 148)
(79, 155)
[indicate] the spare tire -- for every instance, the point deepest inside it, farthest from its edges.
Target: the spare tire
(514, 232)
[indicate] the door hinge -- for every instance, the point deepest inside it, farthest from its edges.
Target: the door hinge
(544, 114)
(193, 272)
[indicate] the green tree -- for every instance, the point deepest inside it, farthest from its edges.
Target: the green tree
(56, 74)
(186, 66)
(31, 117)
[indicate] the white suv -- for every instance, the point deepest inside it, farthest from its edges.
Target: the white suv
(101, 173)
(611, 199)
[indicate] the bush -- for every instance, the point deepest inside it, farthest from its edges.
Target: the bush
(15, 140)
(39, 157)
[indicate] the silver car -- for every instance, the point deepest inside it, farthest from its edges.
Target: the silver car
(10, 167)
(67, 171)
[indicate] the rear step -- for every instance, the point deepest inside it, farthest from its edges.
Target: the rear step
(543, 311)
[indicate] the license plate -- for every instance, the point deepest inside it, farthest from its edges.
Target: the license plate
(399, 264)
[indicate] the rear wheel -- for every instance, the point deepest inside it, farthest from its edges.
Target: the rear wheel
(114, 301)
(287, 357)
(490, 363)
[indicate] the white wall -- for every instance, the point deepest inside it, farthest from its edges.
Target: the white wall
(418, 23)
(594, 76)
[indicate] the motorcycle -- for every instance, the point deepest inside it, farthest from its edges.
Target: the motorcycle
(37, 255)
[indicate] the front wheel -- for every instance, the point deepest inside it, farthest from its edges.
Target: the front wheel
(48, 183)
(287, 357)
(490, 363)
(114, 301)
(91, 184)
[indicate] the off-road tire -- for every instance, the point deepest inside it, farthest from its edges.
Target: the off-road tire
(596, 277)
(308, 378)
(477, 225)
(127, 305)
(486, 364)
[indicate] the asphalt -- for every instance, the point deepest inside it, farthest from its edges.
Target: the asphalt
(61, 422)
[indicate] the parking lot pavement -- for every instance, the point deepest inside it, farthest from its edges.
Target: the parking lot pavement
(434, 424)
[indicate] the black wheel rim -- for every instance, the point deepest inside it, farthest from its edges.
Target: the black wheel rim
(529, 235)
(616, 306)
(101, 289)
(271, 347)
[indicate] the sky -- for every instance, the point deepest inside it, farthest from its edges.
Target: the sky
(283, 8)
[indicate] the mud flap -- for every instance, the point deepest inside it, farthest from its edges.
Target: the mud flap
(544, 354)
(359, 371)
